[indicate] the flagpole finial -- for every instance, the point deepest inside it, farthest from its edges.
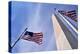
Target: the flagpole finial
(26, 29)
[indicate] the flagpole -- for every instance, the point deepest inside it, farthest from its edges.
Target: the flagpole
(17, 40)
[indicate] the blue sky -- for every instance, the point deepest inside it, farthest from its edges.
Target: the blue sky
(37, 18)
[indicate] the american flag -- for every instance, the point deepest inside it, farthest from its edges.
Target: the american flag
(71, 14)
(34, 37)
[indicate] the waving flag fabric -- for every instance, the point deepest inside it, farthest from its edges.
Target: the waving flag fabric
(71, 14)
(34, 37)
